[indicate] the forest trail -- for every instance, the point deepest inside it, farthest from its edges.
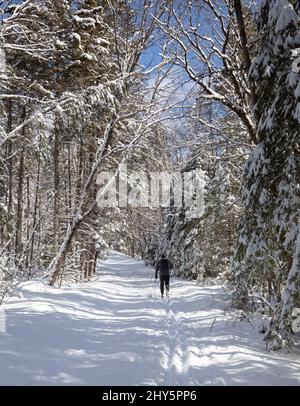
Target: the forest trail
(117, 331)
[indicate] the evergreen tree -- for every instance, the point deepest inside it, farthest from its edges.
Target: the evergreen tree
(267, 256)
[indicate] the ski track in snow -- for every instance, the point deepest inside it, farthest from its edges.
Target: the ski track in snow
(116, 330)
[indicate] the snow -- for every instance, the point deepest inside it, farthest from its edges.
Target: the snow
(116, 330)
(102, 41)
(292, 287)
(86, 22)
(88, 56)
(264, 197)
(297, 91)
(2, 60)
(286, 17)
(297, 112)
(60, 44)
(76, 37)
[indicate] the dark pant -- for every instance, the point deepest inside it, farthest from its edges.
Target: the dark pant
(164, 280)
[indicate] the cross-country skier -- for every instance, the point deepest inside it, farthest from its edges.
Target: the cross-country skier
(163, 266)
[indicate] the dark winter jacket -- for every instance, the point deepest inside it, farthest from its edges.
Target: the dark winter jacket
(163, 267)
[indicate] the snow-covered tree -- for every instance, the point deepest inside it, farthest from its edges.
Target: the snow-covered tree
(202, 247)
(211, 42)
(267, 256)
(70, 93)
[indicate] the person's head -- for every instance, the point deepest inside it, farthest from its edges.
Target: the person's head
(163, 256)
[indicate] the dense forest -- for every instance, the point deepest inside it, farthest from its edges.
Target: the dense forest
(89, 86)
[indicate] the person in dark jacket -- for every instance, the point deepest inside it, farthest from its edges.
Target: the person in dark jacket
(163, 267)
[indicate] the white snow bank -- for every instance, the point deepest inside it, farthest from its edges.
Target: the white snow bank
(117, 331)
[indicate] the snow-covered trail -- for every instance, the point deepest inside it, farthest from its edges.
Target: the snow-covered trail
(117, 331)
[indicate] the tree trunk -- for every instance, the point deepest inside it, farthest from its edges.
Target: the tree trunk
(69, 179)
(10, 161)
(81, 211)
(19, 221)
(34, 220)
(10, 170)
(79, 174)
(27, 220)
(244, 42)
(56, 190)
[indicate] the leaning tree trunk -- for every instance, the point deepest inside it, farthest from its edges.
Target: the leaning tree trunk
(81, 211)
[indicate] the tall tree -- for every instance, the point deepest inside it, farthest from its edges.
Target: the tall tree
(210, 40)
(72, 66)
(267, 256)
